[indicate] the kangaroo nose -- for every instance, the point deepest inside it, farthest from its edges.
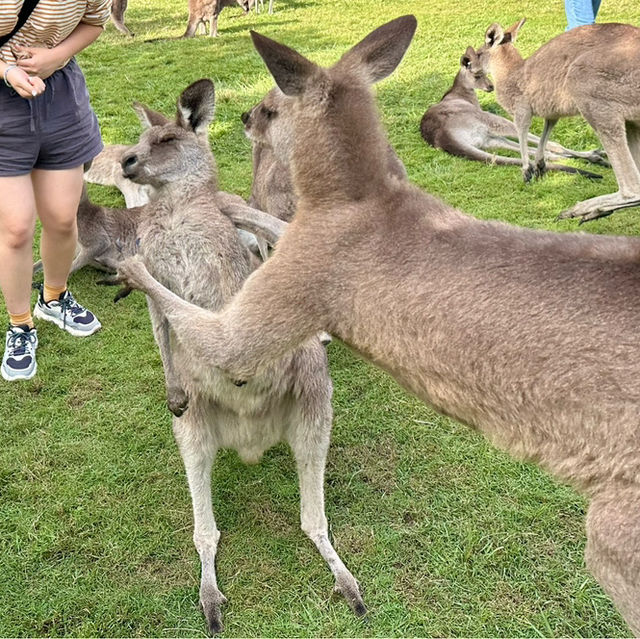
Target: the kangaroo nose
(490, 87)
(245, 117)
(128, 164)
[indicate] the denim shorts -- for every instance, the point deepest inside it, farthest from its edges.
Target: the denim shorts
(56, 130)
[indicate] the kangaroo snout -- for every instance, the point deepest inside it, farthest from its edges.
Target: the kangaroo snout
(245, 117)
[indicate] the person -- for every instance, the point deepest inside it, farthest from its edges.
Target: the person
(48, 131)
(581, 12)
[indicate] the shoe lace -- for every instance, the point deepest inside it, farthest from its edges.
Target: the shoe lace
(69, 305)
(19, 343)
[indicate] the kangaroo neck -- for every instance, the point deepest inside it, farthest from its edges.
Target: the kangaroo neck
(463, 89)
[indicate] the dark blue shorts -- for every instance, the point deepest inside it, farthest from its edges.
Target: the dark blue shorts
(56, 130)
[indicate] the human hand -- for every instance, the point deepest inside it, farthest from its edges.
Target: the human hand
(38, 61)
(23, 84)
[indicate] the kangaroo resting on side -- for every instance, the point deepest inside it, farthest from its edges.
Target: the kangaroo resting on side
(529, 336)
(458, 125)
(193, 248)
(593, 71)
(272, 187)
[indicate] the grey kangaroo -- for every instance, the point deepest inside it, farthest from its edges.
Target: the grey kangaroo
(458, 125)
(530, 337)
(593, 71)
(204, 13)
(193, 248)
(118, 8)
(272, 188)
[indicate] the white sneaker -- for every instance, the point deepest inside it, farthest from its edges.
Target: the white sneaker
(19, 359)
(66, 313)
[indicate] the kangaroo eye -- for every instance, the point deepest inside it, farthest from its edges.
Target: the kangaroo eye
(268, 113)
(168, 138)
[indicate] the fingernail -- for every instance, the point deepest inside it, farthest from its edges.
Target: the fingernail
(34, 93)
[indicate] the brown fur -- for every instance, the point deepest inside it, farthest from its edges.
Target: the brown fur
(272, 189)
(530, 337)
(458, 125)
(204, 13)
(593, 71)
(118, 9)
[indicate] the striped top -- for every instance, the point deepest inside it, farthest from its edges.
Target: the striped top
(50, 23)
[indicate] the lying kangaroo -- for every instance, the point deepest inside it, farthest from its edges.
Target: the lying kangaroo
(458, 125)
(272, 187)
(204, 13)
(528, 336)
(192, 247)
(593, 71)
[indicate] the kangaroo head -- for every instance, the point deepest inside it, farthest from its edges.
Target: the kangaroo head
(473, 71)
(337, 143)
(498, 45)
(270, 123)
(174, 151)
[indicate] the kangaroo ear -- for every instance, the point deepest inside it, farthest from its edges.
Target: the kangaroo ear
(511, 33)
(196, 106)
(289, 69)
(383, 49)
(494, 35)
(468, 56)
(148, 117)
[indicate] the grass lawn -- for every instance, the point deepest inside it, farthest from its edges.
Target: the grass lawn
(446, 535)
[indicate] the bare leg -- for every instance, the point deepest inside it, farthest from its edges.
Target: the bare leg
(310, 442)
(546, 132)
(177, 399)
(613, 550)
(17, 226)
(197, 452)
(57, 195)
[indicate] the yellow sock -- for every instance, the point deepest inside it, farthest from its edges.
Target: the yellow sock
(52, 292)
(21, 319)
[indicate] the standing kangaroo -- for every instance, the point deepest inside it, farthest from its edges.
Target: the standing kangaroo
(272, 188)
(458, 125)
(193, 249)
(530, 337)
(204, 13)
(593, 71)
(118, 8)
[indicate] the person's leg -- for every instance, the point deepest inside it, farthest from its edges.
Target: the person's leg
(17, 226)
(57, 195)
(580, 12)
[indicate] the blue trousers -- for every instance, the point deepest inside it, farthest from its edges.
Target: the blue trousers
(581, 12)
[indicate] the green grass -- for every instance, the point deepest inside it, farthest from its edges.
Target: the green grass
(446, 535)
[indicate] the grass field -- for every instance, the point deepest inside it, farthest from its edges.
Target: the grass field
(446, 535)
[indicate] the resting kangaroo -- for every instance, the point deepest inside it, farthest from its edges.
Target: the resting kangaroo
(593, 71)
(458, 125)
(193, 248)
(530, 337)
(272, 187)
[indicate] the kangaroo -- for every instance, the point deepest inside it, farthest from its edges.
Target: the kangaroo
(203, 13)
(193, 248)
(106, 170)
(593, 71)
(458, 125)
(530, 337)
(272, 189)
(118, 8)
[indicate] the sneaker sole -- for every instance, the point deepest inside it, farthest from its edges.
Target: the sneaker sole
(60, 324)
(19, 377)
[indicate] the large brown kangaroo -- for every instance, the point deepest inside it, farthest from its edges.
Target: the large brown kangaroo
(593, 71)
(530, 337)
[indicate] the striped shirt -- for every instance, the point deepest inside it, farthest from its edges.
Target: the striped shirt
(50, 23)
